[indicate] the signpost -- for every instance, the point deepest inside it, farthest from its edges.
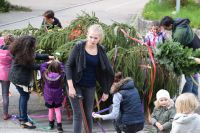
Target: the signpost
(178, 5)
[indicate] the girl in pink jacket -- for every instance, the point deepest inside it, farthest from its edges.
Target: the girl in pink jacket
(5, 64)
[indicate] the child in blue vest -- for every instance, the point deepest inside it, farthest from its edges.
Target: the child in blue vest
(127, 108)
(53, 74)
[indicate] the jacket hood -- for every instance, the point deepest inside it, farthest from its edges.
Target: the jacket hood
(123, 84)
(181, 23)
(52, 76)
(185, 118)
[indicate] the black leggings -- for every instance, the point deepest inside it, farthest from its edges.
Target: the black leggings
(133, 128)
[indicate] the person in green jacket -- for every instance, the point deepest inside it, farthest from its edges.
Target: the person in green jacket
(182, 33)
(163, 113)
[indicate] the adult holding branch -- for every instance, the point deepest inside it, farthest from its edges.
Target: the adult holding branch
(87, 64)
(182, 33)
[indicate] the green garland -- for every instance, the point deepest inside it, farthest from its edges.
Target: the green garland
(174, 57)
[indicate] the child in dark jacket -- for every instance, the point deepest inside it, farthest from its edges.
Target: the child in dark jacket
(127, 108)
(53, 74)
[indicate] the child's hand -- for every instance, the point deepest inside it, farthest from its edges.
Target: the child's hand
(160, 128)
(96, 115)
(49, 61)
(158, 124)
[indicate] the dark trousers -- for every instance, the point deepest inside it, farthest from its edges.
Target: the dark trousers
(5, 85)
(133, 128)
(190, 86)
(88, 103)
(23, 101)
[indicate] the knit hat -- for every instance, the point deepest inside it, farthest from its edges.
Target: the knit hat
(162, 93)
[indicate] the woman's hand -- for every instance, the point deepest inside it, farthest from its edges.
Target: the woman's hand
(94, 115)
(197, 60)
(72, 92)
(104, 97)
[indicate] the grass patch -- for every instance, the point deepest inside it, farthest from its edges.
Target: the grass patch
(155, 11)
(5, 6)
(19, 8)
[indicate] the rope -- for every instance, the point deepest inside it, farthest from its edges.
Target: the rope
(83, 113)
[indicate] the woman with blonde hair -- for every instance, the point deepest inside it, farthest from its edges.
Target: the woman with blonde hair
(87, 64)
(186, 120)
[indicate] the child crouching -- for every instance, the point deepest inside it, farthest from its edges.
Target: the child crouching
(127, 109)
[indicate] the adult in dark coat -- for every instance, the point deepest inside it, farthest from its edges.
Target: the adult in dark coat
(182, 33)
(87, 64)
(21, 72)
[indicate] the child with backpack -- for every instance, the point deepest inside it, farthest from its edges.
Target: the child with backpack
(53, 76)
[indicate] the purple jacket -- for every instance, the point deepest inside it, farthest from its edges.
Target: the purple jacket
(53, 88)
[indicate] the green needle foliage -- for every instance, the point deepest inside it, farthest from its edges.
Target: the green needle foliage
(176, 58)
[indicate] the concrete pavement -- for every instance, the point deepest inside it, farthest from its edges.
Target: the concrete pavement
(66, 10)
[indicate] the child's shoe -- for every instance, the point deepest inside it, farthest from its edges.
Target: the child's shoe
(59, 128)
(51, 124)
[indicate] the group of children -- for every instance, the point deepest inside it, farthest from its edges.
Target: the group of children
(166, 117)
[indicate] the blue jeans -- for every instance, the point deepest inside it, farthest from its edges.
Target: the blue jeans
(23, 101)
(190, 86)
(88, 103)
(5, 85)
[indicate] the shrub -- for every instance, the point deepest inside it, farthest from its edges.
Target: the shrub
(4, 6)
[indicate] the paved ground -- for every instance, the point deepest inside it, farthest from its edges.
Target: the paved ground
(66, 10)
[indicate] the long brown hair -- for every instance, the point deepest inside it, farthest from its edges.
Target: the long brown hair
(23, 50)
(55, 67)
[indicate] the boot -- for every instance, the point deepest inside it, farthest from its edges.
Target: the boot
(51, 124)
(59, 128)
